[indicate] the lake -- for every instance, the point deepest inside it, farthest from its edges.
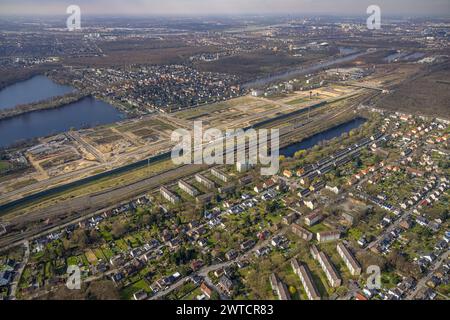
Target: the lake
(87, 112)
(329, 134)
(32, 90)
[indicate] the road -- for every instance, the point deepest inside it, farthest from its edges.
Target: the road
(73, 135)
(19, 272)
(203, 272)
(396, 223)
(423, 282)
(69, 210)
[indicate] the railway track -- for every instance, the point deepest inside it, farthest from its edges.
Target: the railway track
(72, 209)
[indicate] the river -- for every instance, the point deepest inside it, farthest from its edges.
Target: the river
(302, 70)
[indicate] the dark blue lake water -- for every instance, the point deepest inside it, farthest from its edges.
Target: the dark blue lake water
(329, 134)
(35, 89)
(87, 112)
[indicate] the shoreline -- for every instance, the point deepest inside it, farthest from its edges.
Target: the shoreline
(52, 103)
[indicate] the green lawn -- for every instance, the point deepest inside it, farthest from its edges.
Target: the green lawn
(318, 228)
(390, 279)
(99, 254)
(127, 292)
(121, 244)
(107, 252)
(72, 261)
(4, 165)
(192, 295)
(106, 235)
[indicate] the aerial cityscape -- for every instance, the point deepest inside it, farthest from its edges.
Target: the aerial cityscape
(241, 150)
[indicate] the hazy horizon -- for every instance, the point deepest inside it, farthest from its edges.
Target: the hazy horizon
(403, 8)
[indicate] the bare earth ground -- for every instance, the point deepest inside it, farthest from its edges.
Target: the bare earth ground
(426, 94)
(252, 65)
(142, 52)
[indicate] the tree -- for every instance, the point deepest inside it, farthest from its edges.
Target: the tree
(399, 262)
(367, 259)
(79, 239)
(358, 163)
(95, 290)
(94, 236)
(118, 229)
(292, 290)
(300, 154)
(147, 219)
(183, 256)
(215, 296)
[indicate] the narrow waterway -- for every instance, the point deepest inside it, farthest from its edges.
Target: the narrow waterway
(329, 134)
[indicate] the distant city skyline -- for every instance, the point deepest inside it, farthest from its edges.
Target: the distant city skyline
(216, 7)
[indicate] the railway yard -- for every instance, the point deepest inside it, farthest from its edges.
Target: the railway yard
(295, 128)
(69, 157)
(361, 183)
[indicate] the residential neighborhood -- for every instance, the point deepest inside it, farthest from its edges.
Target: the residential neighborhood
(262, 239)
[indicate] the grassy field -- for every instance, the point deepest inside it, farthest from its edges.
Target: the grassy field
(4, 165)
(302, 100)
(127, 292)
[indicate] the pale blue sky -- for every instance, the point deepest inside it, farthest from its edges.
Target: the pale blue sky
(202, 7)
